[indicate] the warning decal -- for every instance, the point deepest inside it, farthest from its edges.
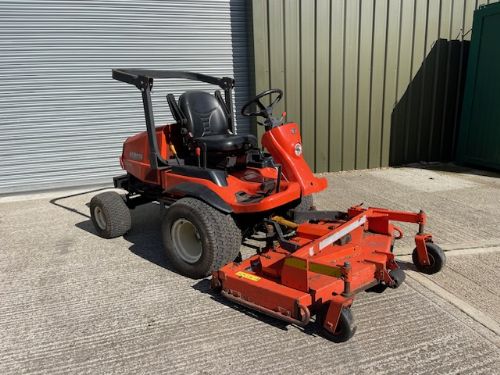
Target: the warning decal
(248, 276)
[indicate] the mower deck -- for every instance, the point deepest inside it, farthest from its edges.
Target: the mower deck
(320, 268)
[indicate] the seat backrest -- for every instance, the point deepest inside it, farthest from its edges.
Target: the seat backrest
(204, 114)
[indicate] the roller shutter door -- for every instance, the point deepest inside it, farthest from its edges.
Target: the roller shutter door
(63, 119)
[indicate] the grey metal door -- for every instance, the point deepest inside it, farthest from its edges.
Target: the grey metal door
(62, 118)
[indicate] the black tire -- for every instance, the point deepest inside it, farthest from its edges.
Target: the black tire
(346, 327)
(306, 203)
(218, 233)
(398, 276)
(110, 215)
(436, 256)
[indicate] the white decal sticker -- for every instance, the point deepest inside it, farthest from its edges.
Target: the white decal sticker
(341, 233)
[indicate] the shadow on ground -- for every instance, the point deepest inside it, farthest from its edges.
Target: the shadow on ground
(144, 236)
(56, 202)
(146, 242)
(203, 286)
(452, 168)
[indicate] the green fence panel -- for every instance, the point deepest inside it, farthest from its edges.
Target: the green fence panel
(479, 139)
(371, 83)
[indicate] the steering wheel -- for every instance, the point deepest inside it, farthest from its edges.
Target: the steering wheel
(264, 111)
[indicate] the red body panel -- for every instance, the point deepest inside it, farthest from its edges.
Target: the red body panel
(280, 142)
(135, 155)
(297, 178)
(289, 191)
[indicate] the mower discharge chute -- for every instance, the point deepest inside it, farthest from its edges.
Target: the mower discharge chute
(218, 187)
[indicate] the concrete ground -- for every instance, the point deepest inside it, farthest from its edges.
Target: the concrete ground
(73, 302)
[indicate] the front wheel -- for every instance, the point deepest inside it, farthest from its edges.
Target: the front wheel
(306, 203)
(199, 239)
(437, 259)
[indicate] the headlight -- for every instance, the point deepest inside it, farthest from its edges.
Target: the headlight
(298, 149)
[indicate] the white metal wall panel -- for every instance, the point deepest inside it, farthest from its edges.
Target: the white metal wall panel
(62, 118)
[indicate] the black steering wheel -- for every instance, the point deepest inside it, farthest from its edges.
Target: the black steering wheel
(264, 111)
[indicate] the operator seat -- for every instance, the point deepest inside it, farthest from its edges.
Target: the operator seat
(207, 121)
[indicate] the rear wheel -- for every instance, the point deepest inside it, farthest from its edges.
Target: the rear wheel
(199, 239)
(437, 259)
(110, 215)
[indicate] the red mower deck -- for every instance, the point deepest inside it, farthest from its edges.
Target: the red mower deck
(323, 265)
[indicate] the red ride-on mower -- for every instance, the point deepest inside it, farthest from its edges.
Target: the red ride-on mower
(219, 188)
(218, 185)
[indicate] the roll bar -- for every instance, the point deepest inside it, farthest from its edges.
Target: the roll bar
(142, 77)
(143, 80)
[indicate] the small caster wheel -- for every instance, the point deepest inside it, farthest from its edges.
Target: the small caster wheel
(437, 259)
(346, 327)
(398, 276)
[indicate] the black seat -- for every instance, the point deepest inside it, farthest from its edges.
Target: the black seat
(207, 121)
(228, 142)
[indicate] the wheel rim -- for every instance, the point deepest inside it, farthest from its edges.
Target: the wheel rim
(100, 218)
(186, 241)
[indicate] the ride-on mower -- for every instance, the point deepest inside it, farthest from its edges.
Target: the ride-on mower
(218, 188)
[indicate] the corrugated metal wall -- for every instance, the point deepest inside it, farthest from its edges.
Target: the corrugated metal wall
(62, 118)
(371, 82)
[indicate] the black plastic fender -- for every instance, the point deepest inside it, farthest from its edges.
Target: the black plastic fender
(201, 192)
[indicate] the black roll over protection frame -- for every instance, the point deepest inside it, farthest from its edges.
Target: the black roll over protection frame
(143, 80)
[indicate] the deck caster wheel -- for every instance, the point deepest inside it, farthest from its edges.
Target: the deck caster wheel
(436, 256)
(110, 215)
(346, 327)
(398, 276)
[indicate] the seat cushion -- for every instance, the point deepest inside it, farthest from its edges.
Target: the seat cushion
(228, 142)
(205, 115)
